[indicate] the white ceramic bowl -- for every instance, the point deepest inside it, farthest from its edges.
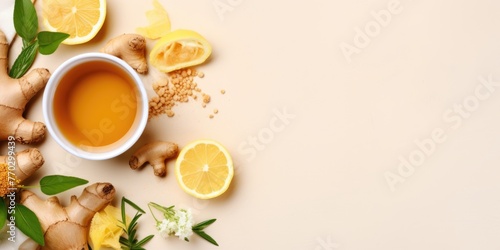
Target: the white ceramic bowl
(104, 152)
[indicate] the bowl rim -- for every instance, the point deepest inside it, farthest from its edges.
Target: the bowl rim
(48, 98)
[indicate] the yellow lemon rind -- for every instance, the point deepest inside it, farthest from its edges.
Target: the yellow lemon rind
(89, 36)
(177, 36)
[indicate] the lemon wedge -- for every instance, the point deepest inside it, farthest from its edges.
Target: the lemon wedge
(81, 19)
(159, 22)
(204, 169)
(179, 49)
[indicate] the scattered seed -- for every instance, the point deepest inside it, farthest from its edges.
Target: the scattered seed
(180, 87)
(206, 98)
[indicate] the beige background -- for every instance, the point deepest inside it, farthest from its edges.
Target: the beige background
(315, 133)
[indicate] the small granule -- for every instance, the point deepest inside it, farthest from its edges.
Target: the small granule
(206, 98)
(211, 116)
(222, 91)
(216, 111)
(180, 87)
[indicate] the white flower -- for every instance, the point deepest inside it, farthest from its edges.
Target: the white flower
(166, 228)
(184, 224)
(178, 222)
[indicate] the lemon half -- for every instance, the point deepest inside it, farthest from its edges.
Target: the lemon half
(179, 49)
(81, 19)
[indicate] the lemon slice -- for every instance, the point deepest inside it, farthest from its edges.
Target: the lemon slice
(204, 169)
(179, 49)
(159, 22)
(81, 19)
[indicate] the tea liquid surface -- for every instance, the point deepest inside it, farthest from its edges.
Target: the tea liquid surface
(95, 104)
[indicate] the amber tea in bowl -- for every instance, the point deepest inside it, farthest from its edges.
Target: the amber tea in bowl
(95, 106)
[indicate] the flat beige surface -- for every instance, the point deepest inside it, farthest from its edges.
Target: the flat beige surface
(350, 129)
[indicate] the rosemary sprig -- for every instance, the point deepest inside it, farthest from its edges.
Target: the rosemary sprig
(130, 241)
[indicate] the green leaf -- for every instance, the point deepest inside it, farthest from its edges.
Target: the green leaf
(3, 212)
(205, 236)
(29, 224)
(133, 205)
(54, 184)
(204, 224)
(50, 41)
(24, 61)
(25, 20)
(133, 223)
(145, 240)
(124, 216)
(123, 241)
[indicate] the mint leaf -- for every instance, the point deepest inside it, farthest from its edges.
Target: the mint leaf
(24, 61)
(25, 20)
(49, 41)
(54, 184)
(29, 224)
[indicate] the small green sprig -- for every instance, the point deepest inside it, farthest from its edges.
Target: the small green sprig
(198, 229)
(26, 25)
(130, 242)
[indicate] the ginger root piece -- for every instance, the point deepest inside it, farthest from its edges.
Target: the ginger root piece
(131, 48)
(67, 228)
(27, 162)
(156, 153)
(14, 95)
